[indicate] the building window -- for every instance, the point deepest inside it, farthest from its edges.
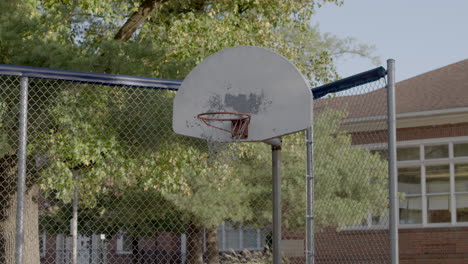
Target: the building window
(240, 238)
(408, 153)
(433, 176)
(460, 150)
(438, 193)
(124, 243)
(461, 189)
(409, 182)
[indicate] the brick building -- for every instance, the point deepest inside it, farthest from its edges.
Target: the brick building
(432, 161)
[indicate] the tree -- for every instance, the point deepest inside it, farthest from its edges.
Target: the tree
(154, 38)
(350, 181)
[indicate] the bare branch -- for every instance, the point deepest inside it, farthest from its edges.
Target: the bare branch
(137, 18)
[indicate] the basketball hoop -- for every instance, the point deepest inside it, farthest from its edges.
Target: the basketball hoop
(239, 122)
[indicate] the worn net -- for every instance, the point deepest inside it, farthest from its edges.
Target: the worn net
(104, 163)
(351, 176)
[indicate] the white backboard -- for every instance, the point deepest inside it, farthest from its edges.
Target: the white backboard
(249, 80)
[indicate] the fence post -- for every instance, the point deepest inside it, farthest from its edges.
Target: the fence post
(310, 251)
(276, 171)
(74, 222)
(392, 161)
(22, 159)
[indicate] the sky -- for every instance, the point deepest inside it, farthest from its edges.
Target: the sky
(421, 35)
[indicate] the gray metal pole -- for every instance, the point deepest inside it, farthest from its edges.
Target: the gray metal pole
(392, 169)
(74, 223)
(276, 171)
(310, 251)
(22, 159)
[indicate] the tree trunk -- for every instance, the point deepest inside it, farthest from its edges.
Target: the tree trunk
(194, 244)
(212, 250)
(31, 230)
(8, 184)
(137, 18)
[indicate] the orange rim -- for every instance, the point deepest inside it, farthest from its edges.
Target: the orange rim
(239, 122)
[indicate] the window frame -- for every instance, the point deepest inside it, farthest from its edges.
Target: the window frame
(226, 226)
(451, 161)
(422, 163)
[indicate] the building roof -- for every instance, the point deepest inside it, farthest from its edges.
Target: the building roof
(443, 88)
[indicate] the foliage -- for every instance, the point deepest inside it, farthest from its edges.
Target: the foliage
(83, 136)
(4, 144)
(96, 141)
(108, 217)
(78, 35)
(208, 180)
(80, 141)
(251, 257)
(350, 181)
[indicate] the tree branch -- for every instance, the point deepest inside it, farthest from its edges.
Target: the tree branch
(137, 18)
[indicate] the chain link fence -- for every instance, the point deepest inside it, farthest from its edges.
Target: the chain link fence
(351, 176)
(108, 181)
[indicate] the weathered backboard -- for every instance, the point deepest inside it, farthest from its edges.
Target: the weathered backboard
(249, 80)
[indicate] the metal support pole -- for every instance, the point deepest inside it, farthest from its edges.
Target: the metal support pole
(74, 222)
(392, 169)
(22, 159)
(310, 251)
(276, 171)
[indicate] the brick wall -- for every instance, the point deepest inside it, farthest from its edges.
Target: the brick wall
(434, 245)
(447, 245)
(371, 246)
(50, 251)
